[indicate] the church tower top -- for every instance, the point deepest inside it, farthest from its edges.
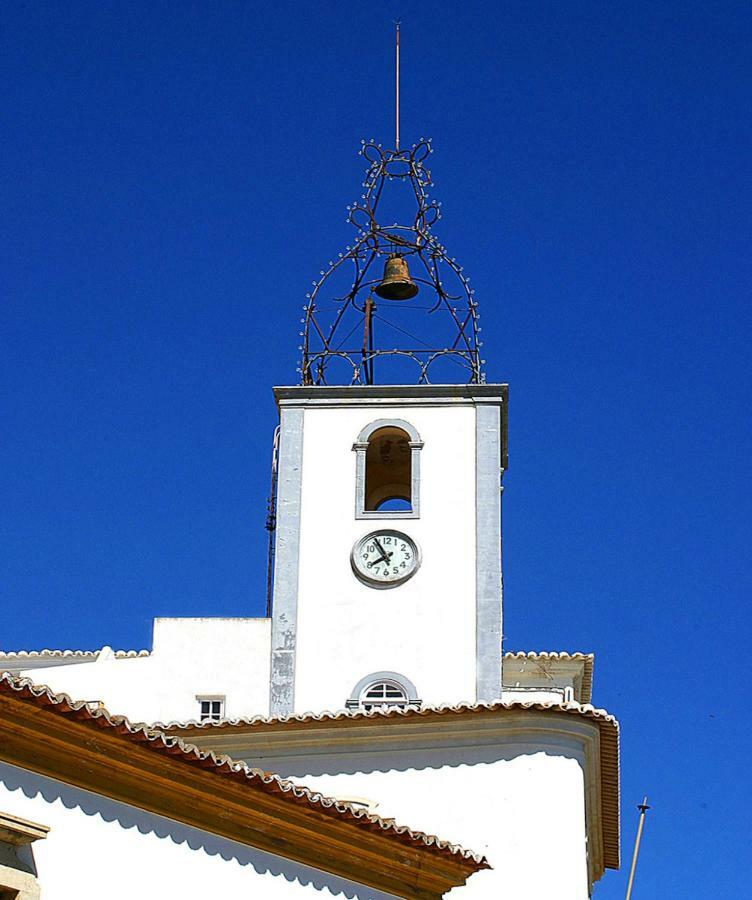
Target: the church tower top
(393, 307)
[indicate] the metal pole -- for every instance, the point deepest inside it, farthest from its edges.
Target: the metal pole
(397, 87)
(271, 524)
(643, 807)
(367, 352)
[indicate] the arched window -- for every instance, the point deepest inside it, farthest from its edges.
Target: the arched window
(387, 482)
(383, 693)
(388, 468)
(383, 689)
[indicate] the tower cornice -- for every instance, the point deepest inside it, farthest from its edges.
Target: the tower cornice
(430, 394)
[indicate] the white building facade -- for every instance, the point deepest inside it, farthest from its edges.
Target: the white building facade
(506, 768)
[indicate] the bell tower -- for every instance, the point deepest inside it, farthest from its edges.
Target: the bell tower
(387, 572)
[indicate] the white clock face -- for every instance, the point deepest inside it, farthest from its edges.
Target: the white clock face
(385, 558)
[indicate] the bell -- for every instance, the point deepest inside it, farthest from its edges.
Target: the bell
(396, 283)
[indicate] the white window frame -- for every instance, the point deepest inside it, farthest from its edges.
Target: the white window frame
(391, 693)
(361, 446)
(211, 698)
(357, 699)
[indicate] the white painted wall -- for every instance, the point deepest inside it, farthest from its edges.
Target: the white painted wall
(189, 657)
(519, 801)
(100, 848)
(537, 695)
(423, 629)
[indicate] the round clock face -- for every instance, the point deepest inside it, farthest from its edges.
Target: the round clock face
(385, 558)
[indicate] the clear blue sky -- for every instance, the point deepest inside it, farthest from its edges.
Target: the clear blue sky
(173, 175)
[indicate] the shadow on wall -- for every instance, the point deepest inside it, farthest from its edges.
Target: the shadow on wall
(32, 785)
(414, 759)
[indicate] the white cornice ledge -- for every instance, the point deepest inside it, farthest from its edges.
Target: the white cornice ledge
(383, 394)
(17, 831)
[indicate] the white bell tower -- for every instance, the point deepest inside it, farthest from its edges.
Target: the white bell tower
(429, 624)
(387, 574)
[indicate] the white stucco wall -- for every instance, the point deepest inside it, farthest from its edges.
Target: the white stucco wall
(518, 800)
(423, 629)
(537, 695)
(190, 657)
(100, 848)
(527, 818)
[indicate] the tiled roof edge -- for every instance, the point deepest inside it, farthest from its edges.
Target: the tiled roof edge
(546, 654)
(67, 654)
(154, 739)
(392, 712)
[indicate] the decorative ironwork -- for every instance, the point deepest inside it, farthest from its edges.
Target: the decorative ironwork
(342, 317)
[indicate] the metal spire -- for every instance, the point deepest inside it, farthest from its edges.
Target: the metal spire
(397, 86)
(431, 337)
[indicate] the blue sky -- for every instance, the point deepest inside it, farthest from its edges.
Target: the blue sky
(174, 176)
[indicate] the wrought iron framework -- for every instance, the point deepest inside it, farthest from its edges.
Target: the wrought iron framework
(331, 322)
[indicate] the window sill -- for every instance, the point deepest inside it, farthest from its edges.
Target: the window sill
(388, 514)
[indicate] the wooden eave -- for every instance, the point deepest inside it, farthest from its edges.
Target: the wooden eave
(53, 737)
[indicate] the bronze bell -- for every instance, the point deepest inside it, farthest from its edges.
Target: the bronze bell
(396, 283)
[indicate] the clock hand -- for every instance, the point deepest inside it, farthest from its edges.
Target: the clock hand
(384, 555)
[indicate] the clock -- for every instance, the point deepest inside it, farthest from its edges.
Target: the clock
(385, 558)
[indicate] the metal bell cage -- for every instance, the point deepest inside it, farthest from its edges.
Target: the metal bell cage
(342, 329)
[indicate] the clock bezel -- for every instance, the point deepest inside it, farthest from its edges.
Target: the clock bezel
(364, 578)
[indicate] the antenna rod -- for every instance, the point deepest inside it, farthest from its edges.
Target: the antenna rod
(397, 87)
(643, 807)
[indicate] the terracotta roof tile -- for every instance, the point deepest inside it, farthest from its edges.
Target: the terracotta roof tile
(154, 739)
(40, 655)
